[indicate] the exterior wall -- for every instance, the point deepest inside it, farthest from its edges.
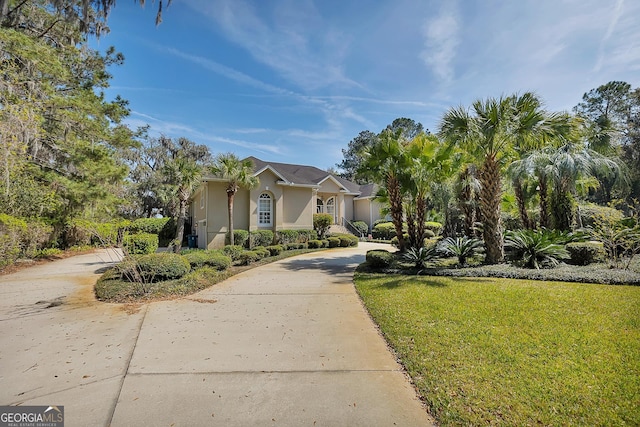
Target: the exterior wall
(268, 184)
(367, 210)
(298, 208)
(348, 208)
(217, 214)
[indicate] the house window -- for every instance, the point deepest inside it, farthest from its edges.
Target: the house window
(264, 209)
(331, 208)
(319, 206)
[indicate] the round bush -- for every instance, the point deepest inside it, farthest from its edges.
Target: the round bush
(141, 243)
(261, 238)
(433, 226)
(262, 252)
(247, 257)
(154, 267)
(362, 227)
(379, 258)
(215, 259)
(315, 244)
(275, 249)
(584, 253)
(334, 242)
(233, 251)
(384, 231)
(240, 238)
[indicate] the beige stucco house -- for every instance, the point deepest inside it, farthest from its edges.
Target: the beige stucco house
(286, 198)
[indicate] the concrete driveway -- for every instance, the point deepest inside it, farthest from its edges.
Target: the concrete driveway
(285, 344)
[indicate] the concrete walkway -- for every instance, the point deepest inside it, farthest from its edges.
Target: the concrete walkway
(285, 344)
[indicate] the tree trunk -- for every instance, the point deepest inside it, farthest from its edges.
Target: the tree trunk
(395, 200)
(421, 210)
(465, 202)
(411, 229)
(180, 228)
(522, 208)
(490, 198)
(230, 195)
(544, 202)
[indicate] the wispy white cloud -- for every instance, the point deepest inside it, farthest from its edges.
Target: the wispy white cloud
(441, 39)
(615, 17)
(292, 39)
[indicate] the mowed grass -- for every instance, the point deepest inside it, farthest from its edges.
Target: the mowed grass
(514, 352)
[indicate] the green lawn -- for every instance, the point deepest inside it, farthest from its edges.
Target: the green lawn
(514, 352)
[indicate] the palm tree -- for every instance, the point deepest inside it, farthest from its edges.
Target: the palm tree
(185, 174)
(237, 174)
(384, 162)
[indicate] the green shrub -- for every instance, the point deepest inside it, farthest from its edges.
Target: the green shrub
(536, 248)
(275, 249)
(394, 240)
(585, 253)
(384, 231)
(315, 244)
(305, 235)
(141, 243)
(420, 257)
(347, 240)
(460, 247)
(284, 237)
(168, 232)
(334, 242)
(240, 238)
(149, 225)
(152, 268)
(48, 252)
(261, 238)
(379, 258)
(262, 251)
(19, 238)
(247, 257)
(362, 227)
(325, 243)
(591, 213)
(213, 258)
(233, 251)
(428, 234)
(321, 223)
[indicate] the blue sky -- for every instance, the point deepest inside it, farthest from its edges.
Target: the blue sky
(295, 80)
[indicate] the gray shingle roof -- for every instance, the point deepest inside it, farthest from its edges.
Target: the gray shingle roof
(301, 174)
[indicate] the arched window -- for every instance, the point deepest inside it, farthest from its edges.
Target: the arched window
(331, 208)
(265, 206)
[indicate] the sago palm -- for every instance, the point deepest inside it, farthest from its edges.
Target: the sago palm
(535, 248)
(461, 247)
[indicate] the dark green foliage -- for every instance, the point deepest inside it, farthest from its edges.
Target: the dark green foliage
(248, 257)
(590, 214)
(585, 253)
(240, 238)
(262, 251)
(536, 248)
(21, 239)
(233, 251)
(362, 227)
(334, 242)
(379, 258)
(460, 247)
(347, 240)
(211, 258)
(261, 238)
(305, 235)
(275, 249)
(287, 236)
(321, 223)
(315, 244)
(292, 246)
(154, 267)
(384, 231)
(419, 257)
(148, 225)
(428, 234)
(141, 243)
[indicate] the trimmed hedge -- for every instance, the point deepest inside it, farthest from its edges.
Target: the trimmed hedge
(154, 267)
(284, 237)
(247, 257)
(334, 242)
(434, 227)
(240, 238)
(361, 226)
(262, 251)
(233, 251)
(384, 231)
(379, 258)
(213, 258)
(141, 243)
(275, 249)
(261, 238)
(315, 244)
(590, 213)
(347, 240)
(148, 225)
(585, 253)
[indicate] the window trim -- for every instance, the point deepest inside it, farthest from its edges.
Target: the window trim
(264, 197)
